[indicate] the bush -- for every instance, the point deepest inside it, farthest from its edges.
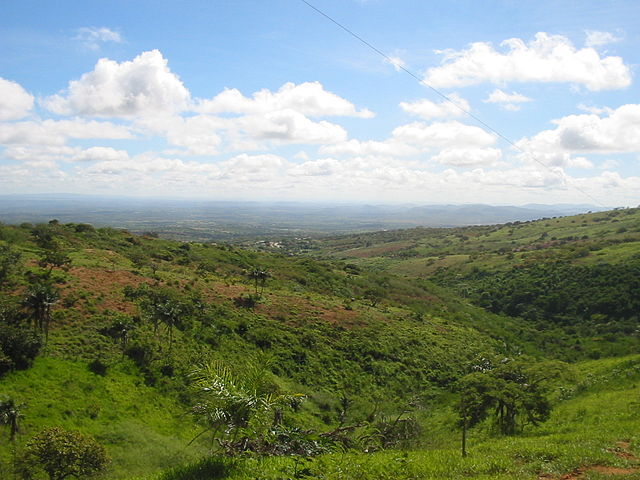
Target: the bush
(18, 347)
(98, 367)
(64, 453)
(209, 468)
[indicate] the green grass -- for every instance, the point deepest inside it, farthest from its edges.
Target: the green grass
(325, 336)
(142, 430)
(584, 431)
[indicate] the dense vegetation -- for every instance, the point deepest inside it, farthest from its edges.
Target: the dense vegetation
(161, 351)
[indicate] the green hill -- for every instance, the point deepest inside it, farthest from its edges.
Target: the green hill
(376, 349)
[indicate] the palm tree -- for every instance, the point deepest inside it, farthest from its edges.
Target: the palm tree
(232, 404)
(259, 277)
(39, 299)
(10, 415)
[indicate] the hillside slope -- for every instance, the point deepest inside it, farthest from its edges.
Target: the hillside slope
(573, 279)
(117, 358)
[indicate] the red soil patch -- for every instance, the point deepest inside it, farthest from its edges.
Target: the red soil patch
(601, 469)
(218, 290)
(297, 310)
(613, 470)
(105, 283)
(621, 450)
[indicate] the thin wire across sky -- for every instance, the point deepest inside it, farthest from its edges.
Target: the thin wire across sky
(449, 100)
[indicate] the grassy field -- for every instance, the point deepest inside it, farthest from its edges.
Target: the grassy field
(382, 327)
(592, 434)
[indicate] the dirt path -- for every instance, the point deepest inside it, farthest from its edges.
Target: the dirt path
(621, 450)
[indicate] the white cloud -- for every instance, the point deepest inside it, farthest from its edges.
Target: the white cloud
(468, 157)
(100, 154)
(92, 37)
(148, 164)
(596, 38)
(309, 98)
(619, 132)
(396, 62)
(287, 127)
(547, 58)
(50, 153)
(427, 109)
(252, 167)
(508, 101)
(15, 101)
(313, 168)
(198, 135)
(443, 134)
(353, 147)
(142, 86)
(57, 132)
(595, 110)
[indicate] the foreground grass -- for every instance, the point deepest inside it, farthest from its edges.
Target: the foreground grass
(597, 426)
(142, 430)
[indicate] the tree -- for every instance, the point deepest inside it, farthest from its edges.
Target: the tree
(514, 391)
(39, 299)
(18, 347)
(165, 306)
(10, 415)
(259, 277)
(9, 262)
(63, 453)
(237, 408)
(54, 256)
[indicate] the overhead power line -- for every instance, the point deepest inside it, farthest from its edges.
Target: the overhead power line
(449, 100)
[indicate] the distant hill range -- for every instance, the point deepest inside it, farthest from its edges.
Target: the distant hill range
(226, 220)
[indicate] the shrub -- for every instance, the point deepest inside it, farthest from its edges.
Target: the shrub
(18, 347)
(98, 367)
(64, 453)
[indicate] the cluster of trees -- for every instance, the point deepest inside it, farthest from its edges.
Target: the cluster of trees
(560, 292)
(574, 310)
(513, 391)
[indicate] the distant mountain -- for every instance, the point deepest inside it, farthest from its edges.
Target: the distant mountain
(227, 220)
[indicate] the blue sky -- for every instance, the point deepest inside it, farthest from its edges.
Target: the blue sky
(268, 100)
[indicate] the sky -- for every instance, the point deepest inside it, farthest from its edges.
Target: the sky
(498, 102)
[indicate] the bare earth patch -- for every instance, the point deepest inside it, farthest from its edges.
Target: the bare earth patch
(621, 450)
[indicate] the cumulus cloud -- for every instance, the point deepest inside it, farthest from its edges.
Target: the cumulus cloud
(309, 98)
(314, 168)
(142, 86)
(198, 135)
(508, 101)
(353, 147)
(427, 109)
(48, 153)
(252, 167)
(107, 154)
(93, 37)
(147, 163)
(15, 101)
(618, 132)
(287, 127)
(547, 58)
(57, 132)
(443, 134)
(468, 157)
(596, 38)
